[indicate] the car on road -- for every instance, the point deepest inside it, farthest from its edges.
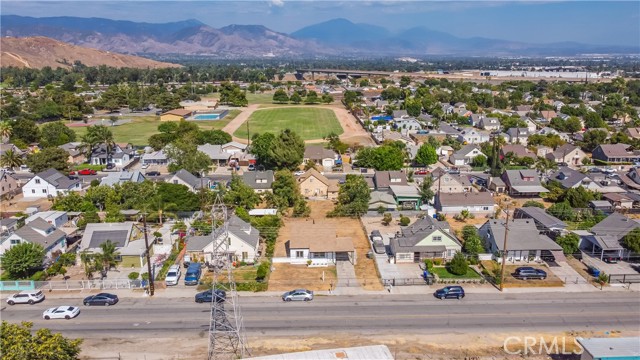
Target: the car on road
(208, 296)
(61, 312)
(449, 292)
(173, 275)
(378, 247)
(152, 173)
(298, 173)
(26, 297)
(104, 299)
(526, 272)
(87, 172)
(298, 295)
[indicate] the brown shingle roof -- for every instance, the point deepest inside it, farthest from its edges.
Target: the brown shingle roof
(179, 112)
(318, 238)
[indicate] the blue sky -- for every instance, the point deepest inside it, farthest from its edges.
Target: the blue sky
(591, 22)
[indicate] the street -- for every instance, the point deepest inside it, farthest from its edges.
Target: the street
(366, 314)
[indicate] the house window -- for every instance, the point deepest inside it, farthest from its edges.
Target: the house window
(44, 191)
(299, 254)
(118, 258)
(485, 208)
(319, 255)
(436, 238)
(33, 191)
(15, 241)
(37, 181)
(175, 181)
(245, 255)
(3, 189)
(450, 253)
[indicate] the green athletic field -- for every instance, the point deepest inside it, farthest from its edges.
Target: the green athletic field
(308, 123)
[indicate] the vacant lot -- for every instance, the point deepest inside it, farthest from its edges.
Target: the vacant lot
(309, 123)
(510, 281)
(138, 131)
(287, 277)
(345, 227)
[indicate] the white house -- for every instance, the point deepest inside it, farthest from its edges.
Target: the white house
(465, 155)
(39, 232)
(55, 218)
(319, 244)
(477, 203)
(243, 242)
(49, 183)
(473, 136)
(234, 147)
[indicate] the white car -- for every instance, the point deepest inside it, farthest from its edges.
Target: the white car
(298, 173)
(173, 275)
(26, 297)
(61, 312)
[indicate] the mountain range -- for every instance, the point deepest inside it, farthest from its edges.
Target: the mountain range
(337, 37)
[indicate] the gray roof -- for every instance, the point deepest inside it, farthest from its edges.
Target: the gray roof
(118, 237)
(238, 227)
(567, 177)
(615, 224)
(465, 150)
(57, 179)
(10, 222)
(214, 152)
(381, 196)
(318, 152)
(616, 150)
(562, 151)
(465, 199)
(523, 235)
(448, 129)
(72, 148)
(409, 236)
(611, 348)
(540, 216)
(188, 178)
(30, 233)
(97, 233)
(515, 179)
(518, 132)
(384, 179)
(121, 177)
(605, 242)
(517, 150)
(197, 243)
(251, 178)
(489, 121)
(405, 191)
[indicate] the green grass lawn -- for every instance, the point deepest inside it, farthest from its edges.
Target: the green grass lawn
(245, 273)
(444, 274)
(308, 123)
(258, 98)
(141, 128)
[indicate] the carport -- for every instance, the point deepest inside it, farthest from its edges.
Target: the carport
(601, 245)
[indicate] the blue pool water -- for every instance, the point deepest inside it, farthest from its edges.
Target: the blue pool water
(207, 117)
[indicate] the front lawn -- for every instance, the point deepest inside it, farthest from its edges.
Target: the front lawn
(443, 273)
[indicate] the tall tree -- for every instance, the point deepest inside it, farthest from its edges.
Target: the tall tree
(240, 194)
(353, 197)
(102, 135)
(19, 342)
(55, 134)
(284, 151)
(426, 155)
(107, 256)
(186, 156)
(280, 96)
(5, 131)
(11, 159)
(47, 158)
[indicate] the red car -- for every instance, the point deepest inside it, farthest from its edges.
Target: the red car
(87, 172)
(72, 172)
(420, 172)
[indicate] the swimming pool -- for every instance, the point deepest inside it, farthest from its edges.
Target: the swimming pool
(207, 117)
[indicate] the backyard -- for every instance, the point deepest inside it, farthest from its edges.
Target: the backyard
(308, 122)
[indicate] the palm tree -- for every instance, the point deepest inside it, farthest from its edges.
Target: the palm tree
(87, 260)
(5, 131)
(88, 142)
(11, 159)
(102, 135)
(108, 256)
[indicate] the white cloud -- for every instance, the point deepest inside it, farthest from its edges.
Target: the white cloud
(278, 3)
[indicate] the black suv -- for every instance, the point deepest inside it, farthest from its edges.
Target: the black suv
(152, 173)
(450, 292)
(525, 273)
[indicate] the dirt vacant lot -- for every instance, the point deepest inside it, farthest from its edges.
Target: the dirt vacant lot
(344, 227)
(287, 277)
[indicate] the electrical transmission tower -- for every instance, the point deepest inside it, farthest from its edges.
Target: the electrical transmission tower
(226, 332)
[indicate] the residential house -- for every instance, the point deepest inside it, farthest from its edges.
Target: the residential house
(542, 151)
(407, 196)
(447, 108)
(466, 155)
(56, 218)
(570, 178)
(476, 203)
(6, 147)
(407, 124)
(517, 135)
(608, 348)
(313, 184)
(447, 130)
(155, 158)
(601, 205)
(522, 182)
(631, 179)
(116, 155)
(319, 244)
(122, 177)
(233, 147)
(399, 114)
(8, 226)
(176, 115)
(569, 154)
(259, 181)
(473, 136)
(74, 149)
(523, 110)
(382, 199)
(489, 124)
(531, 126)
(449, 183)
(463, 112)
(426, 238)
(49, 183)
(615, 153)
(518, 150)
(127, 238)
(558, 105)
(9, 185)
(633, 132)
(474, 119)
(319, 155)
(215, 153)
(605, 237)
(547, 131)
(548, 114)
(183, 177)
(384, 179)
(619, 201)
(545, 223)
(525, 243)
(496, 184)
(243, 243)
(37, 231)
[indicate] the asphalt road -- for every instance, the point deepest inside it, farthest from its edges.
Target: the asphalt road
(377, 314)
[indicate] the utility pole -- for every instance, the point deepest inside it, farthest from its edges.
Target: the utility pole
(504, 250)
(146, 245)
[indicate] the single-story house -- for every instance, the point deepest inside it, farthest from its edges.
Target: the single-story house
(233, 147)
(9, 185)
(567, 153)
(56, 218)
(314, 184)
(128, 240)
(37, 231)
(477, 203)
(633, 132)
(155, 158)
(74, 149)
(517, 150)
(427, 238)
(215, 153)
(615, 153)
(619, 201)
(319, 155)
(9, 225)
(243, 242)
(523, 182)
(183, 177)
(600, 245)
(449, 183)
(465, 155)
(384, 179)
(407, 196)
(545, 223)
(615, 224)
(496, 184)
(524, 242)
(259, 181)
(176, 115)
(382, 199)
(569, 178)
(122, 177)
(601, 205)
(50, 182)
(319, 244)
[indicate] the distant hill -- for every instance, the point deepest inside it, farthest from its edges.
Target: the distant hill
(38, 52)
(342, 32)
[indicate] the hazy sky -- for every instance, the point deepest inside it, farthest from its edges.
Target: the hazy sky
(592, 22)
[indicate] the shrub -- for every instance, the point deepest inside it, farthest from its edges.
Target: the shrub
(603, 278)
(458, 265)
(428, 264)
(437, 262)
(404, 221)
(263, 271)
(145, 276)
(134, 276)
(95, 182)
(39, 276)
(386, 219)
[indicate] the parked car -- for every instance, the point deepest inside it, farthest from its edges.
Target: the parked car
(152, 173)
(251, 167)
(450, 292)
(207, 296)
(526, 272)
(173, 275)
(145, 166)
(298, 295)
(104, 299)
(420, 172)
(378, 247)
(111, 166)
(61, 312)
(611, 259)
(87, 172)
(26, 297)
(192, 276)
(298, 173)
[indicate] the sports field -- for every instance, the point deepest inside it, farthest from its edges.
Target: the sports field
(308, 123)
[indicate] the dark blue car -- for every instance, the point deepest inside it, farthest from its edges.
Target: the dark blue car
(207, 296)
(450, 292)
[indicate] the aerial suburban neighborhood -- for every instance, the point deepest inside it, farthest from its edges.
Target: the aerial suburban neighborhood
(370, 195)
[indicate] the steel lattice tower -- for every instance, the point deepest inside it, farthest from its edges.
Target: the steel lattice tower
(226, 331)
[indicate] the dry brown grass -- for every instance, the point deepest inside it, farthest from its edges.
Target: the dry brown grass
(345, 227)
(510, 281)
(456, 226)
(286, 277)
